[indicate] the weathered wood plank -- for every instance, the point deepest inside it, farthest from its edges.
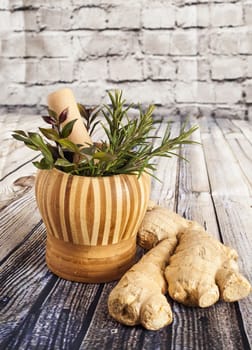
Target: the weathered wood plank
(235, 220)
(232, 206)
(13, 153)
(239, 203)
(227, 126)
(16, 221)
(40, 311)
(242, 150)
(164, 191)
(199, 207)
(240, 146)
(193, 172)
(32, 298)
(191, 329)
(226, 175)
(23, 276)
(215, 327)
(16, 184)
(245, 127)
(195, 202)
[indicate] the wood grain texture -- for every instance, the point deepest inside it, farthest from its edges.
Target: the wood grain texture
(91, 211)
(13, 154)
(227, 178)
(198, 202)
(41, 311)
(164, 192)
(240, 143)
(17, 220)
(91, 223)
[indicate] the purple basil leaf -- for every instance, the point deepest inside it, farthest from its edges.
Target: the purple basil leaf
(48, 119)
(63, 115)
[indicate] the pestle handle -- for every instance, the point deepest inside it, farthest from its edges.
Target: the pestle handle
(61, 99)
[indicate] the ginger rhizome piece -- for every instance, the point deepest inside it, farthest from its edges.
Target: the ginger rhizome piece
(202, 269)
(139, 298)
(159, 223)
(198, 268)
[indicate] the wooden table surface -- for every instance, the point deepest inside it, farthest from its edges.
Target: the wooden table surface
(42, 311)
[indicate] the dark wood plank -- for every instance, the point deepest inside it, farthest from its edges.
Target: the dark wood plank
(38, 309)
(23, 276)
(192, 328)
(215, 327)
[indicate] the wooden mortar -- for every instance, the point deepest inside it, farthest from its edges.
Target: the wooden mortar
(91, 222)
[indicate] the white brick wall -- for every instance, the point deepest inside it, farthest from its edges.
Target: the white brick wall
(227, 68)
(225, 15)
(186, 56)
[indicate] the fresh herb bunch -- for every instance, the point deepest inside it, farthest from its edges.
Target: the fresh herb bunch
(127, 150)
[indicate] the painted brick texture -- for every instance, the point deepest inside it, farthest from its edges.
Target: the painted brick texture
(185, 56)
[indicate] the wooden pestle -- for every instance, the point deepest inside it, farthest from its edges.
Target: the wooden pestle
(61, 99)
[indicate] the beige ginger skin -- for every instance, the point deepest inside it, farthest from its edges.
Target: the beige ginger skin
(139, 298)
(159, 223)
(195, 267)
(202, 269)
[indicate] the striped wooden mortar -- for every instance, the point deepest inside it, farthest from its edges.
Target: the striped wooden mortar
(91, 223)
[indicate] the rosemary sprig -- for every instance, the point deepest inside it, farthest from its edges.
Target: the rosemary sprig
(127, 150)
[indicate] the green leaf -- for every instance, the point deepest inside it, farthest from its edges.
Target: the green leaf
(19, 137)
(43, 164)
(89, 150)
(69, 145)
(104, 156)
(112, 99)
(20, 132)
(37, 140)
(30, 145)
(53, 150)
(82, 110)
(52, 114)
(63, 163)
(50, 134)
(68, 128)
(37, 165)
(93, 128)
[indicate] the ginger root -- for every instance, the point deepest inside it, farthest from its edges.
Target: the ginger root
(139, 298)
(202, 269)
(159, 223)
(198, 268)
